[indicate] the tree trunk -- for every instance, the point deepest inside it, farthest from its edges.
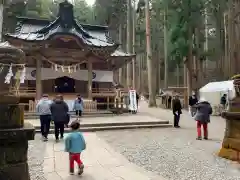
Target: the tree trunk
(197, 59)
(190, 53)
(231, 33)
(178, 76)
(189, 62)
(120, 31)
(226, 52)
(165, 49)
(140, 73)
(159, 71)
(185, 82)
(206, 40)
(134, 45)
(220, 43)
(1, 20)
(129, 39)
(152, 96)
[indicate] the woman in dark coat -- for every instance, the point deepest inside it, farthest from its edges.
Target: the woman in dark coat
(202, 116)
(59, 110)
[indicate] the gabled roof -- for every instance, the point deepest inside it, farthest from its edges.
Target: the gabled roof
(37, 30)
(65, 24)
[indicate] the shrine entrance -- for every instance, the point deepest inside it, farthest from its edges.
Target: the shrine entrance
(64, 85)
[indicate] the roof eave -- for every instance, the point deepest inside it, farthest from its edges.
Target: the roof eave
(9, 36)
(48, 21)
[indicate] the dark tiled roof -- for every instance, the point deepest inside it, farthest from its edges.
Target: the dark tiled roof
(39, 30)
(29, 25)
(44, 22)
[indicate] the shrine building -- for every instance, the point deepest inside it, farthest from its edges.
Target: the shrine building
(65, 56)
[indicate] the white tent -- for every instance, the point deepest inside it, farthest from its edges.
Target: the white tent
(213, 91)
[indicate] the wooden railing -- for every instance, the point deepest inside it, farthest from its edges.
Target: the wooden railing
(23, 90)
(109, 94)
(94, 90)
(103, 92)
(89, 106)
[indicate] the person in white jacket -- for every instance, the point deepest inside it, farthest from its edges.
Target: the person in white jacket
(43, 109)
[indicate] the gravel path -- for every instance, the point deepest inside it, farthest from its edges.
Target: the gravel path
(35, 158)
(175, 154)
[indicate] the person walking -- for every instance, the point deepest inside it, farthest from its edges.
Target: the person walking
(78, 106)
(177, 111)
(74, 145)
(202, 117)
(191, 102)
(43, 109)
(60, 116)
(137, 98)
(223, 101)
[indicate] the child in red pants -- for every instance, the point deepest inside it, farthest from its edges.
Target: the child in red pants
(199, 130)
(74, 145)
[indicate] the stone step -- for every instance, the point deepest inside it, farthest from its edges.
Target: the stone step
(33, 115)
(116, 124)
(115, 127)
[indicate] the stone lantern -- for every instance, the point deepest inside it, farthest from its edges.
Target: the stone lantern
(231, 142)
(14, 133)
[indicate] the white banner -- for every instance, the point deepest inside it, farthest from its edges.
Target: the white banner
(133, 100)
(48, 73)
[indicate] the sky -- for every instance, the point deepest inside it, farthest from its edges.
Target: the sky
(90, 2)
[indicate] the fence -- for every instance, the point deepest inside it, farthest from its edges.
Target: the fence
(89, 106)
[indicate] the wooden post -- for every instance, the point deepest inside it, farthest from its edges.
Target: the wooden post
(108, 101)
(90, 76)
(38, 78)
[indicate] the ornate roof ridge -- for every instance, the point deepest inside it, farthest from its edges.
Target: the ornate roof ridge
(44, 21)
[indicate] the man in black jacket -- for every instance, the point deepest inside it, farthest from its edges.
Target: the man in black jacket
(177, 111)
(59, 110)
(223, 101)
(191, 102)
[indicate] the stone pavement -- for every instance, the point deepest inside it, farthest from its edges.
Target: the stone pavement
(171, 153)
(216, 127)
(175, 154)
(101, 163)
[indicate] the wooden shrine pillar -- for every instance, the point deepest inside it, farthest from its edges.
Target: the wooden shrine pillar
(38, 77)
(90, 77)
